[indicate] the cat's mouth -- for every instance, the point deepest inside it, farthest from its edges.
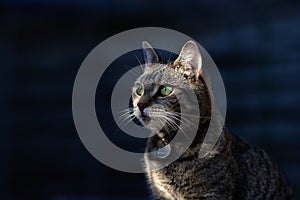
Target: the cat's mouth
(145, 118)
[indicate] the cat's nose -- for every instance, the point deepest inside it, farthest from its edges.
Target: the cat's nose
(142, 106)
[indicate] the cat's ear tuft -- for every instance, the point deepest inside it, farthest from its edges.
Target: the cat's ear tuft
(190, 59)
(150, 55)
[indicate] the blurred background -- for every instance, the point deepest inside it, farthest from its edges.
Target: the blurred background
(255, 44)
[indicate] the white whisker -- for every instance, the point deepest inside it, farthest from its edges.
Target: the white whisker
(125, 114)
(127, 109)
(177, 126)
(170, 119)
(134, 71)
(141, 66)
(128, 117)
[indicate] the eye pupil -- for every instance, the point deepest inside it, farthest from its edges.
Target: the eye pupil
(166, 90)
(140, 90)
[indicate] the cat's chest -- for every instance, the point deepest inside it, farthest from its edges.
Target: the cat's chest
(165, 186)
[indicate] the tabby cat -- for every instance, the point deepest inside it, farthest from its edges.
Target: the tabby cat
(232, 169)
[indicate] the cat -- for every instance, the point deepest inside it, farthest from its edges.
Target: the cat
(232, 169)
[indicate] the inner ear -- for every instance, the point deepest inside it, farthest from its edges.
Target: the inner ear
(190, 59)
(150, 55)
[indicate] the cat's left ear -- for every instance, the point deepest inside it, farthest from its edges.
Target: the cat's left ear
(190, 59)
(150, 55)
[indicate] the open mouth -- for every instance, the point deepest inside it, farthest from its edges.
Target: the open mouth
(146, 119)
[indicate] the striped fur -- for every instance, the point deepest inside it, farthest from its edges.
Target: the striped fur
(233, 169)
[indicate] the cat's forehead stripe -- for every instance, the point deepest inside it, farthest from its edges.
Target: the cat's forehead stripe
(154, 77)
(163, 74)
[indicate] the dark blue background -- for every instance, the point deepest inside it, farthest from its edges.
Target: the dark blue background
(255, 44)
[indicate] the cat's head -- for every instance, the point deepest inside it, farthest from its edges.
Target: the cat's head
(157, 92)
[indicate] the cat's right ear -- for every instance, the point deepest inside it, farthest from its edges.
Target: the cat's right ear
(150, 55)
(190, 59)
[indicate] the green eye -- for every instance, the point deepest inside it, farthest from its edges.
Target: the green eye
(166, 90)
(140, 90)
